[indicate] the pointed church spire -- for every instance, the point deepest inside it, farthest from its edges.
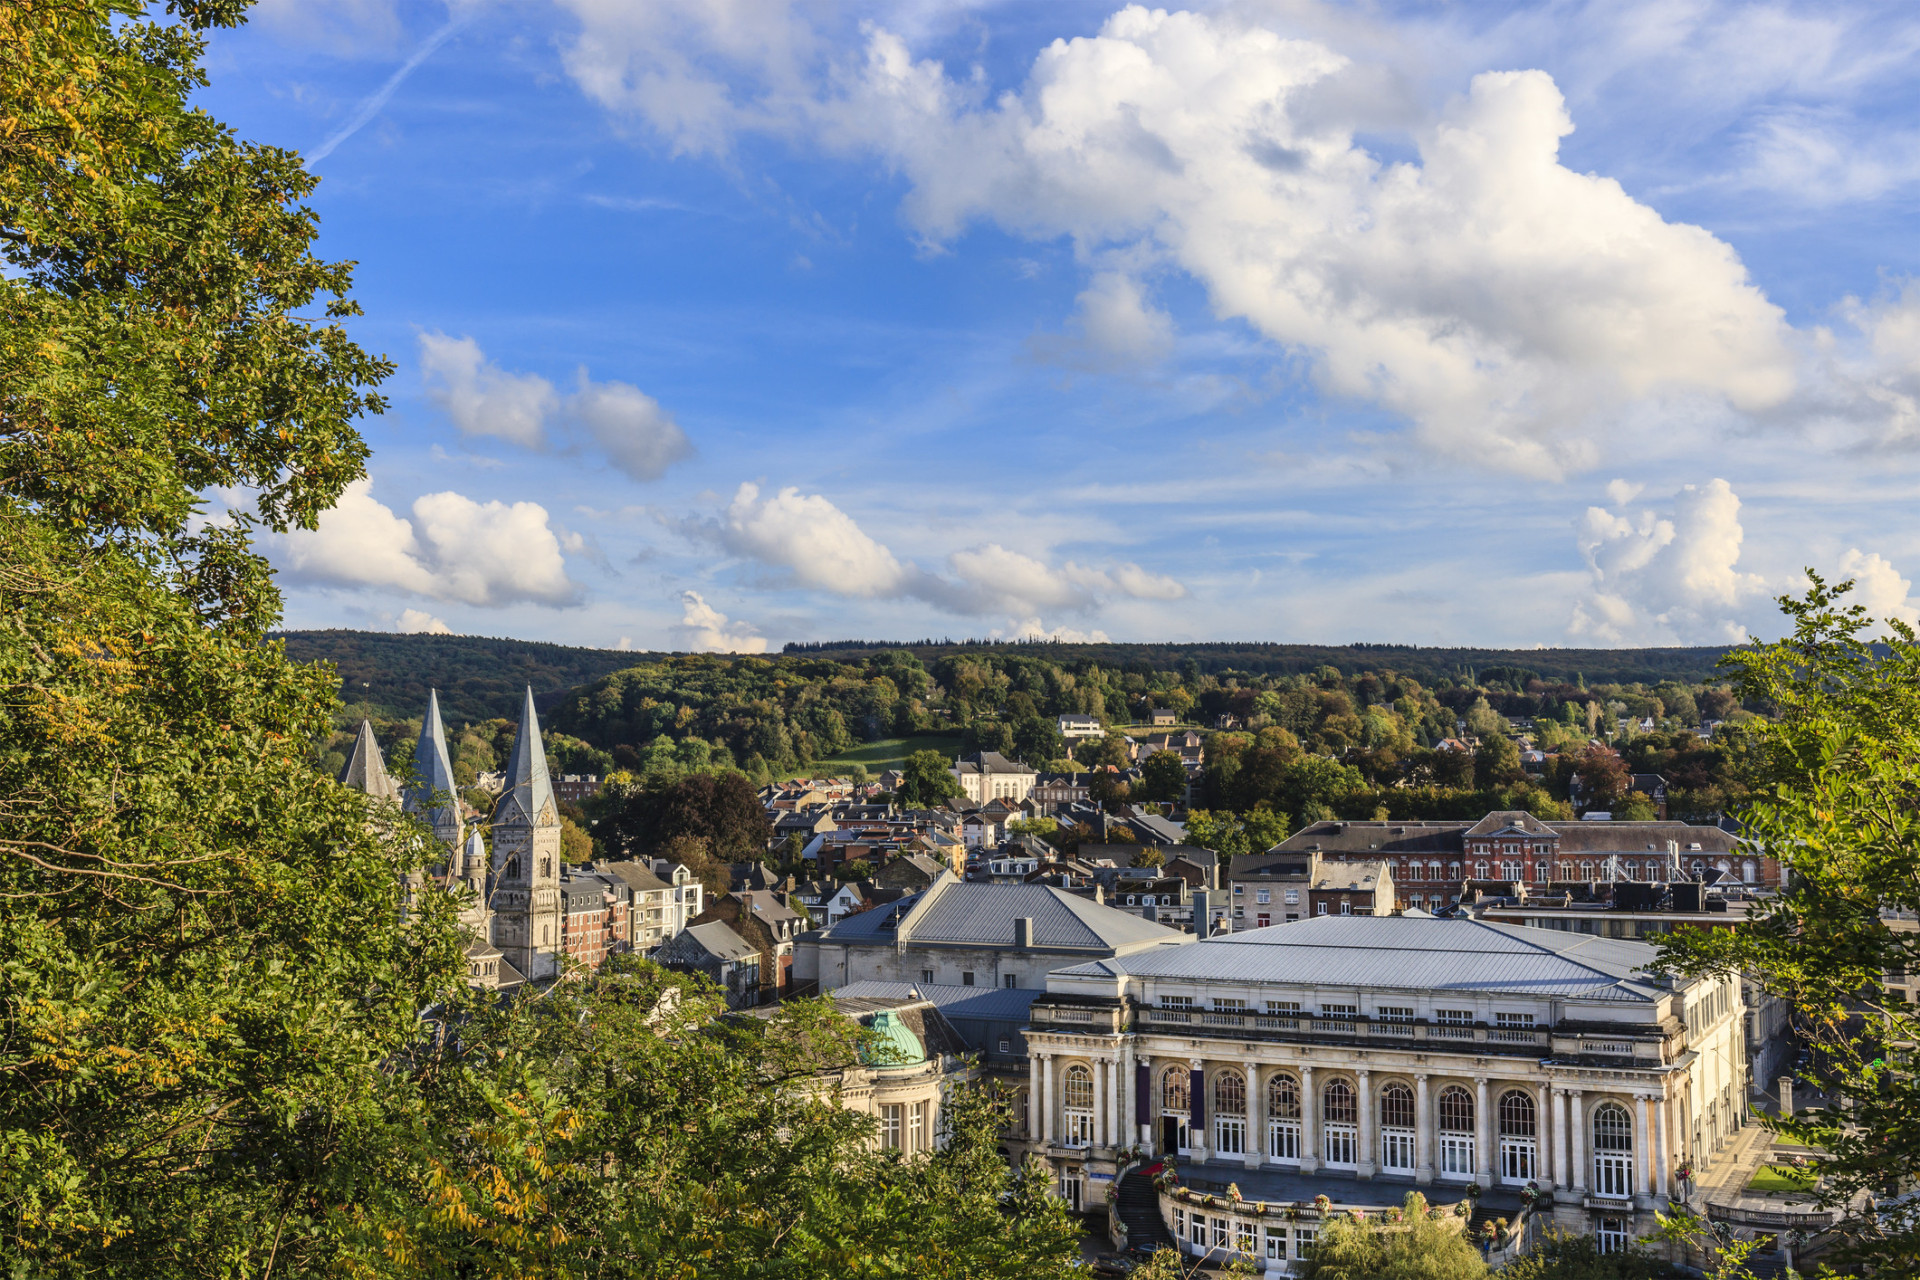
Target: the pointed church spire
(527, 799)
(434, 794)
(367, 770)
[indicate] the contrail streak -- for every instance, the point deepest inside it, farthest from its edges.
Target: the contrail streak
(378, 99)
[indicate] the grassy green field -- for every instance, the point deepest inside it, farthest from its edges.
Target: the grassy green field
(890, 753)
(1782, 1178)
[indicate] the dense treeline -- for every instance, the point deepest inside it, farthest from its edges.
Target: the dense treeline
(481, 677)
(1616, 666)
(478, 677)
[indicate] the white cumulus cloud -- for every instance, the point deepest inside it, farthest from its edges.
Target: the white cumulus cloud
(1879, 587)
(1666, 576)
(625, 423)
(815, 544)
(450, 548)
(707, 630)
(416, 622)
(1512, 309)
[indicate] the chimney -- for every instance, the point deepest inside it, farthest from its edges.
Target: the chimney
(1202, 916)
(1023, 934)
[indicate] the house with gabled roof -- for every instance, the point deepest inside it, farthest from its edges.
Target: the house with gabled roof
(973, 934)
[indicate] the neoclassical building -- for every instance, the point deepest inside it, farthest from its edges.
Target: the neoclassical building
(1360, 1057)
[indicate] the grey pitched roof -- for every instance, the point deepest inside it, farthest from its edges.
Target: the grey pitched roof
(988, 762)
(1643, 838)
(636, 875)
(367, 770)
(527, 799)
(1406, 953)
(1350, 875)
(1517, 821)
(998, 1003)
(714, 938)
(958, 913)
(1368, 837)
(433, 770)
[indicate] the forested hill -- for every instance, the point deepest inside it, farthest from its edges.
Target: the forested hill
(1595, 666)
(479, 677)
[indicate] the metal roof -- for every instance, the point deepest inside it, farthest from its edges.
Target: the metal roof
(982, 914)
(1405, 953)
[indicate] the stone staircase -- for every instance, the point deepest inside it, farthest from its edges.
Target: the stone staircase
(1138, 1208)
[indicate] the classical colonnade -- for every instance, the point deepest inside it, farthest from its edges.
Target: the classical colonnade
(1482, 1120)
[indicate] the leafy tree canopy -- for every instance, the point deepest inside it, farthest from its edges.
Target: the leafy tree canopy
(1837, 776)
(926, 780)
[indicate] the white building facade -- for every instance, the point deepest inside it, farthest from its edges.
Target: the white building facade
(1364, 1057)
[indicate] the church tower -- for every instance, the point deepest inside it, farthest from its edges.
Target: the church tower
(367, 770)
(434, 796)
(526, 857)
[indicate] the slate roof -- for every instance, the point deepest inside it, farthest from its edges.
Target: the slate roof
(637, 876)
(1350, 875)
(367, 770)
(714, 938)
(433, 771)
(1000, 1004)
(1643, 837)
(982, 914)
(1367, 837)
(1516, 821)
(1405, 953)
(988, 762)
(527, 799)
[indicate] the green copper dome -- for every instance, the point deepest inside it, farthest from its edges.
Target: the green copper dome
(897, 1046)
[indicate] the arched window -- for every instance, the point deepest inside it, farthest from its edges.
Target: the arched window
(1453, 870)
(1456, 1132)
(1396, 1129)
(1612, 1150)
(1516, 1115)
(1612, 1130)
(1339, 1104)
(513, 868)
(1173, 1090)
(1479, 871)
(1396, 1107)
(1077, 1095)
(1230, 1113)
(546, 868)
(1283, 1097)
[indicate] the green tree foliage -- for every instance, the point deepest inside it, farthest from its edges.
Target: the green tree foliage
(625, 1127)
(1421, 1246)
(1560, 1255)
(639, 818)
(1037, 741)
(1603, 777)
(926, 780)
(1149, 856)
(1163, 778)
(1836, 777)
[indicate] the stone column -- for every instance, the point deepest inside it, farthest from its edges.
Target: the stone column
(1099, 1104)
(1662, 1158)
(1033, 1096)
(1543, 1142)
(1256, 1118)
(1642, 1150)
(1562, 1171)
(1046, 1098)
(1199, 1140)
(1577, 1126)
(1482, 1134)
(1423, 1130)
(1367, 1162)
(1309, 1122)
(1117, 1126)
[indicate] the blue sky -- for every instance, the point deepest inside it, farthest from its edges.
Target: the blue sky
(722, 324)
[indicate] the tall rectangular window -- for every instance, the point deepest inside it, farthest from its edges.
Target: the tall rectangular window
(917, 1127)
(890, 1120)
